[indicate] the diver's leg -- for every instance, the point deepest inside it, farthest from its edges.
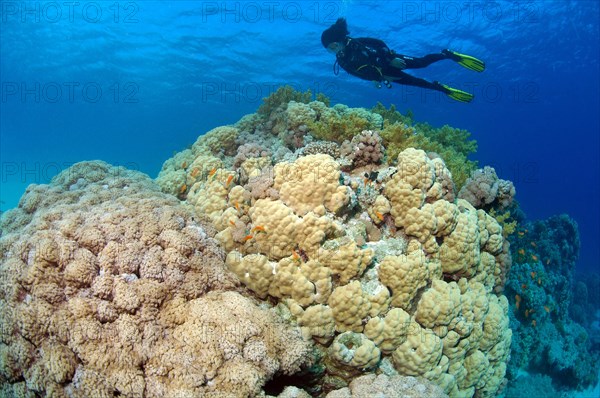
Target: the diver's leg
(454, 93)
(405, 78)
(421, 62)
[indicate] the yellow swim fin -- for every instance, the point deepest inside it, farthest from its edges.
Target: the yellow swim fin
(456, 94)
(467, 61)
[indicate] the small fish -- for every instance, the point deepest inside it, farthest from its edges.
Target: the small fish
(533, 244)
(534, 257)
(229, 179)
(232, 223)
(183, 188)
(248, 237)
(212, 172)
(532, 273)
(547, 261)
(547, 309)
(379, 215)
(521, 252)
(521, 234)
(524, 286)
(184, 165)
(372, 176)
(526, 313)
(195, 172)
(539, 281)
(517, 301)
(237, 206)
(533, 323)
(258, 228)
(295, 255)
(366, 181)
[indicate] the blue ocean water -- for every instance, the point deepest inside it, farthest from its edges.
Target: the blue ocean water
(129, 82)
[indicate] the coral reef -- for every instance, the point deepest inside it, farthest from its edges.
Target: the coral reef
(372, 257)
(365, 149)
(485, 190)
(307, 248)
(540, 286)
(392, 387)
(453, 145)
(110, 287)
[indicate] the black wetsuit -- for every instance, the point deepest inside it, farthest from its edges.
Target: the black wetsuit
(370, 59)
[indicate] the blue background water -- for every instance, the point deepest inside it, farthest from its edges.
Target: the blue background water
(131, 82)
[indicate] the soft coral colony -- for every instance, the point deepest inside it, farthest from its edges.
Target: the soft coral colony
(305, 245)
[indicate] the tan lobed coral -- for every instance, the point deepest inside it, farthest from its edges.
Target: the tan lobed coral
(310, 182)
(374, 259)
(109, 287)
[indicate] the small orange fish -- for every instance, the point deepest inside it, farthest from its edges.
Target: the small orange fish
(547, 309)
(379, 215)
(229, 179)
(526, 313)
(533, 244)
(195, 172)
(183, 188)
(366, 181)
(212, 172)
(521, 233)
(184, 165)
(258, 228)
(534, 257)
(533, 323)
(295, 255)
(237, 206)
(522, 252)
(532, 275)
(517, 301)
(248, 237)
(232, 223)
(524, 286)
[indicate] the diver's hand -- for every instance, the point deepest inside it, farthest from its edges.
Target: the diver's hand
(398, 63)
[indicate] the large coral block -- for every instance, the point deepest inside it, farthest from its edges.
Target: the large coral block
(460, 251)
(350, 305)
(439, 305)
(310, 182)
(404, 275)
(419, 353)
(280, 224)
(363, 247)
(355, 349)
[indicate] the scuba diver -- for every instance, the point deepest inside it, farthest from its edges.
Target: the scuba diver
(371, 59)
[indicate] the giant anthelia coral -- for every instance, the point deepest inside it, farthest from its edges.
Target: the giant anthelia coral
(380, 266)
(109, 287)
